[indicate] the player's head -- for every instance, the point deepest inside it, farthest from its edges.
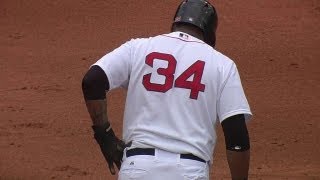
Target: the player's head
(198, 13)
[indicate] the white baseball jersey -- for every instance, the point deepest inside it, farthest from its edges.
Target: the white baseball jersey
(177, 89)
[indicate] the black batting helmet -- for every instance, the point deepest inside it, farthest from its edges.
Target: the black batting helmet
(201, 14)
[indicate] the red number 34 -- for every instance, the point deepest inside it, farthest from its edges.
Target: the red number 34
(195, 69)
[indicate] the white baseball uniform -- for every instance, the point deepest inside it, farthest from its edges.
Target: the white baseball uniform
(178, 87)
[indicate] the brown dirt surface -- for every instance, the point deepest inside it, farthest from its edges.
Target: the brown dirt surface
(47, 46)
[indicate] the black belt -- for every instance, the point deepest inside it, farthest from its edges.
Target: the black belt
(151, 152)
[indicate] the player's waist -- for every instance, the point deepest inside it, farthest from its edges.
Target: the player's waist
(199, 148)
(157, 152)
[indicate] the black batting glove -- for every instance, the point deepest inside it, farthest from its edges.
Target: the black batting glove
(111, 147)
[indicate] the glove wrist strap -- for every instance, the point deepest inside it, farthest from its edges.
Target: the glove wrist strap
(104, 130)
(108, 128)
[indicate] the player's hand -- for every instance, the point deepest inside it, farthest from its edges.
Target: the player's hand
(111, 147)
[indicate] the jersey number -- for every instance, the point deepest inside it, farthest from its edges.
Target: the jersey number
(196, 69)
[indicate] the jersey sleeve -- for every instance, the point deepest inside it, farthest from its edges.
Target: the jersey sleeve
(232, 99)
(117, 65)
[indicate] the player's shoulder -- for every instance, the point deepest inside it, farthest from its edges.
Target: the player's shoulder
(143, 39)
(137, 42)
(221, 58)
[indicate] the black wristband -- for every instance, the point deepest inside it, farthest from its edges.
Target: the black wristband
(95, 83)
(236, 133)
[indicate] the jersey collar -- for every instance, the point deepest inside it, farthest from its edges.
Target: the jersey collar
(184, 37)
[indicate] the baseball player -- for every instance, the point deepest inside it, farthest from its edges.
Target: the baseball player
(178, 88)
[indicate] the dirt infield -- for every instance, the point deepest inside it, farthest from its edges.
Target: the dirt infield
(47, 45)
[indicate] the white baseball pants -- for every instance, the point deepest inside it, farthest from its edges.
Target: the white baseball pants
(162, 166)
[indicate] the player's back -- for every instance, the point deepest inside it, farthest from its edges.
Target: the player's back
(175, 84)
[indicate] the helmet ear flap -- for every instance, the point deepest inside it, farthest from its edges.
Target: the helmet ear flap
(210, 32)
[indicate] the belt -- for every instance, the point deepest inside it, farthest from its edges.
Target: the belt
(151, 152)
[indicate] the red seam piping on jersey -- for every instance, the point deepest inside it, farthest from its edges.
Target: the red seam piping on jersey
(183, 40)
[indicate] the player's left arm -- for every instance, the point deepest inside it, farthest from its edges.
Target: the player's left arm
(94, 86)
(234, 111)
(237, 146)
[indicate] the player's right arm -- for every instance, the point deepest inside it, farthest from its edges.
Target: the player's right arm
(94, 86)
(237, 146)
(110, 72)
